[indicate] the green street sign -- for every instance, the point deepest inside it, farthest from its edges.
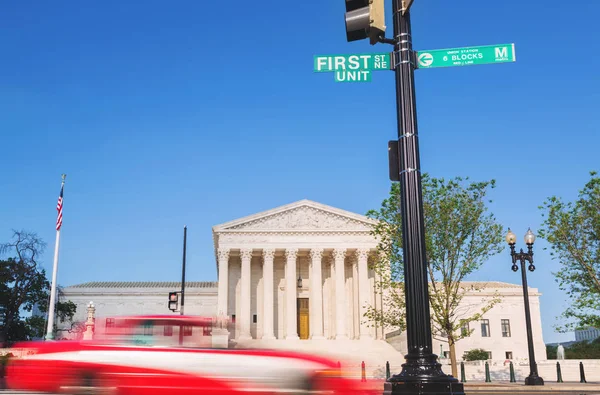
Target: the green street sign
(368, 61)
(466, 56)
(352, 68)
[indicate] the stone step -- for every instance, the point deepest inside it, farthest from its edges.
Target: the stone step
(350, 353)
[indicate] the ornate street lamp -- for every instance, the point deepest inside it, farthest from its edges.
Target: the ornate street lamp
(522, 257)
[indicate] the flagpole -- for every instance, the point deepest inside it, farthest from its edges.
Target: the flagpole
(50, 329)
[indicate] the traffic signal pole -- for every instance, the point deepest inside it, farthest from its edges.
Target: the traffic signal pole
(183, 269)
(421, 373)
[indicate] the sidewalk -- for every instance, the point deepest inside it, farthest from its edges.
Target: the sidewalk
(584, 388)
(515, 388)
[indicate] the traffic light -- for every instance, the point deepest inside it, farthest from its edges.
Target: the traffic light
(394, 164)
(173, 300)
(365, 18)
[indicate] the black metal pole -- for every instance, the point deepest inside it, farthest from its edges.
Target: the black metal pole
(533, 378)
(421, 373)
(183, 269)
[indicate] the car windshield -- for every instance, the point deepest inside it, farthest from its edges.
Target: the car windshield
(147, 332)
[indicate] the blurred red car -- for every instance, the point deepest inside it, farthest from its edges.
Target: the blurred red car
(168, 355)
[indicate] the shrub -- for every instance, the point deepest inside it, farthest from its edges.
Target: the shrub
(477, 354)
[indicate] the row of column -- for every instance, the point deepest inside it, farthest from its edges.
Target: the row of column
(315, 297)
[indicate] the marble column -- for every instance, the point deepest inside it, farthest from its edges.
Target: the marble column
(364, 291)
(355, 304)
(246, 295)
(268, 256)
(316, 294)
(340, 294)
(332, 302)
(223, 287)
(290, 294)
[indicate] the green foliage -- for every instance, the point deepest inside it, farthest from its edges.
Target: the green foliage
(583, 350)
(573, 231)
(477, 354)
(460, 236)
(22, 285)
(551, 352)
(388, 266)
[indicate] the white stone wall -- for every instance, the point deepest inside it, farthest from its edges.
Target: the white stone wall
(511, 307)
(110, 302)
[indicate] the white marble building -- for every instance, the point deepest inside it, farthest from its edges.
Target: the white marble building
(297, 276)
(587, 334)
(262, 257)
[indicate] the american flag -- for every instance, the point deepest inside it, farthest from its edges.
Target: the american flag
(59, 206)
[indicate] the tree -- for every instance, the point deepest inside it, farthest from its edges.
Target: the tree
(580, 350)
(460, 236)
(477, 354)
(64, 310)
(388, 265)
(551, 352)
(22, 285)
(573, 231)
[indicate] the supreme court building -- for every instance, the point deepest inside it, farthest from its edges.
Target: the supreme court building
(297, 271)
(298, 276)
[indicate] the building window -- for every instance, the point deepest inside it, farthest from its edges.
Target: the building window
(254, 319)
(187, 330)
(110, 323)
(509, 355)
(489, 353)
(505, 328)
(168, 330)
(464, 329)
(485, 328)
(148, 329)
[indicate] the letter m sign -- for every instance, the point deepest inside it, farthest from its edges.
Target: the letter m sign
(501, 52)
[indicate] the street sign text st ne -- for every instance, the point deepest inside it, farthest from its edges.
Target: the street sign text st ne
(466, 56)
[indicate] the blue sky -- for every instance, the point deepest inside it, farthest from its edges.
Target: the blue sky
(198, 113)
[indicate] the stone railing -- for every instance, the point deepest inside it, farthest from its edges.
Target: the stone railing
(500, 370)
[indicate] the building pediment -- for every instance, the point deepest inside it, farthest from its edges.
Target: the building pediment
(304, 215)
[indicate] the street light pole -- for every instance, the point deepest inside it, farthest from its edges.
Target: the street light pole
(421, 373)
(522, 257)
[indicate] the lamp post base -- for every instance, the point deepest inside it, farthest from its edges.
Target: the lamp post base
(422, 374)
(534, 379)
(423, 388)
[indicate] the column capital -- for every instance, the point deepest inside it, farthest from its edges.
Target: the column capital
(339, 253)
(223, 254)
(246, 253)
(363, 253)
(291, 253)
(268, 253)
(316, 253)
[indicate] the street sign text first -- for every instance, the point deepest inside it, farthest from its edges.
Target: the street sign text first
(352, 62)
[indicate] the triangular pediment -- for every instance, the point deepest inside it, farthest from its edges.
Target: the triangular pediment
(304, 215)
